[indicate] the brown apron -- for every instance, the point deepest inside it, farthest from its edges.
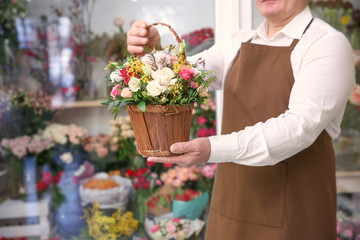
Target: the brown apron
(292, 200)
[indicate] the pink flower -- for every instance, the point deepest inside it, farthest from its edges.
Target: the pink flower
(5, 143)
(201, 120)
(155, 228)
(126, 93)
(355, 95)
(158, 182)
(208, 172)
(203, 132)
(177, 183)
(187, 73)
(176, 220)
(19, 150)
(119, 21)
(211, 132)
(214, 166)
(193, 176)
(348, 233)
(115, 91)
(214, 122)
(170, 228)
(101, 152)
(89, 147)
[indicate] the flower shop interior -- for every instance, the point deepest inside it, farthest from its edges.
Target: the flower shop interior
(69, 166)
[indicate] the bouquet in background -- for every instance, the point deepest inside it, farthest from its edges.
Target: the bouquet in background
(197, 39)
(24, 113)
(25, 146)
(100, 226)
(203, 121)
(145, 184)
(67, 140)
(9, 45)
(171, 229)
(48, 183)
(100, 149)
(123, 140)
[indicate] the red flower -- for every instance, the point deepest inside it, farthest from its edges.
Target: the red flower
(202, 120)
(129, 173)
(167, 165)
(141, 171)
(146, 185)
(150, 164)
(211, 131)
(57, 177)
(124, 75)
(137, 186)
(41, 186)
(203, 132)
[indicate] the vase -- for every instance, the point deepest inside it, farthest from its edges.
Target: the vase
(190, 209)
(159, 127)
(68, 216)
(30, 178)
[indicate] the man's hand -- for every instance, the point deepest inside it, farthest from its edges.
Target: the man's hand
(195, 152)
(140, 36)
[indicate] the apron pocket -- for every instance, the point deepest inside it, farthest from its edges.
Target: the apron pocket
(259, 195)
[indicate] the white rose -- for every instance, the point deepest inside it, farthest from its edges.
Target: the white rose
(134, 84)
(66, 157)
(154, 88)
(115, 76)
(164, 77)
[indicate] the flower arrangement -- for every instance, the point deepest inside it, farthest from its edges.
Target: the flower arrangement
(24, 113)
(348, 230)
(10, 10)
(197, 37)
(49, 182)
(203, 121)
(145, 183)
(122, 139)
(171, 229)
(161, 77)
(26, 145)
(65, 134)
(101, 226)
(99, 148)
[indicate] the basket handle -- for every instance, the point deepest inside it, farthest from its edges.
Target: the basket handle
(170, 28)
(172, 31)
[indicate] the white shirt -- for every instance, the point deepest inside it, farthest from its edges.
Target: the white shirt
(323, 69)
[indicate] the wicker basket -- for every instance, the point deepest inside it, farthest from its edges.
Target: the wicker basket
(159, 127)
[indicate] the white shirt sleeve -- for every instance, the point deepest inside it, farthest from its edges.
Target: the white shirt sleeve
(324, 82)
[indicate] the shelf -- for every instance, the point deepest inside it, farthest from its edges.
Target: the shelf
(82, 104)
(348, 181)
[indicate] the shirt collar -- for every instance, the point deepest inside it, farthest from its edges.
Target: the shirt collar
(294, 29)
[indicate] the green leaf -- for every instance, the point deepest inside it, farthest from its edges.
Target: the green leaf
(142, 106)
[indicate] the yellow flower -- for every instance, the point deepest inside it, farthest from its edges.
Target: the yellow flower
(345, 20)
